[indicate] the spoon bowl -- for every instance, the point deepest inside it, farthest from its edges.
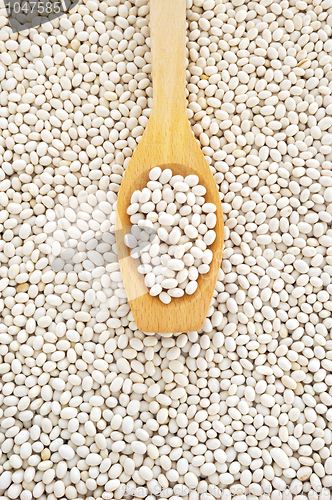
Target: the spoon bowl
(168, 142)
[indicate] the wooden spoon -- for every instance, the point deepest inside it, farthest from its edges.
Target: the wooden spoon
(168, 142)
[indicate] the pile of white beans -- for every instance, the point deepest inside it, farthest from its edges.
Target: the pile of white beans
(172, 228)
(93, 408)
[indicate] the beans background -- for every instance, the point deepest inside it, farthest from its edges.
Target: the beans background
(90, 406)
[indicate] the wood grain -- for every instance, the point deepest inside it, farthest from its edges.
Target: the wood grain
(168, 142)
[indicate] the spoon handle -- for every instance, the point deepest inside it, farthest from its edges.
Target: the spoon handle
(168, 48)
